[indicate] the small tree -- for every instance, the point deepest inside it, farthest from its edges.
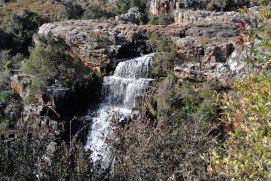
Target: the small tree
(52, 62)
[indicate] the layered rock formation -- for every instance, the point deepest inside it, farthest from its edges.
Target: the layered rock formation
(101, 44)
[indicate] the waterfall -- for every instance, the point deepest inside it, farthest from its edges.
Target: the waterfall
(130, 80)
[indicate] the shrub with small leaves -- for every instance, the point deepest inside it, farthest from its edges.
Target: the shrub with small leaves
(165, 54)
(70, 9)
(50, 62)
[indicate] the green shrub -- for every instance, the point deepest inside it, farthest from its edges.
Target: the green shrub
(70, 9)
(17, 36)
(165, 54)
(227, 5)
(245, 154)
(9, 62)
(24, 27)
(123, 6)
(51, 62)
(164, 20)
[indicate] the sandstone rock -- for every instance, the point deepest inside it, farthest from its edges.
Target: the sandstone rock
(129, 40)
(205, 17)
(219, 53)
(19, 83)
(233, 67)
(83, 37)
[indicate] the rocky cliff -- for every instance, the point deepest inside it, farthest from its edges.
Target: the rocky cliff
(201, 36)
(206, 42)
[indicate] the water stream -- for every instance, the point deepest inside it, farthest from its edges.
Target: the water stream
(120, 91)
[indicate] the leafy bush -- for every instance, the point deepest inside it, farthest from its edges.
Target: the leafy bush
(245, 155)
(4, 87)
(18, 35)
(226, 5)
(51, 62)
(10, 102)
(123, 6)
(165, 55)
(8, 62)
(163, 20)
(70, 9)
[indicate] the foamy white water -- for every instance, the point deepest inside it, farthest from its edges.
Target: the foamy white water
(130, 80)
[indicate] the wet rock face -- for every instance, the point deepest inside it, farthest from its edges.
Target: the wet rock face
(67, 102)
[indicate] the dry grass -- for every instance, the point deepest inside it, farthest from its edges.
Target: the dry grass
(42, 7)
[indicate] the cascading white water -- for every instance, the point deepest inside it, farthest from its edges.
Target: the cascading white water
(130, 80)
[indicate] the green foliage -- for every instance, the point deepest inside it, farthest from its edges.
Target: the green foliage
(255, 39)
(10, 107)
(10, 103)
(163, 20)
(51, 62)
(18, 34)
(24, 27)
(4, 86)
(70, 9)
(8, 62)
(165, 56)
(245, 155)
